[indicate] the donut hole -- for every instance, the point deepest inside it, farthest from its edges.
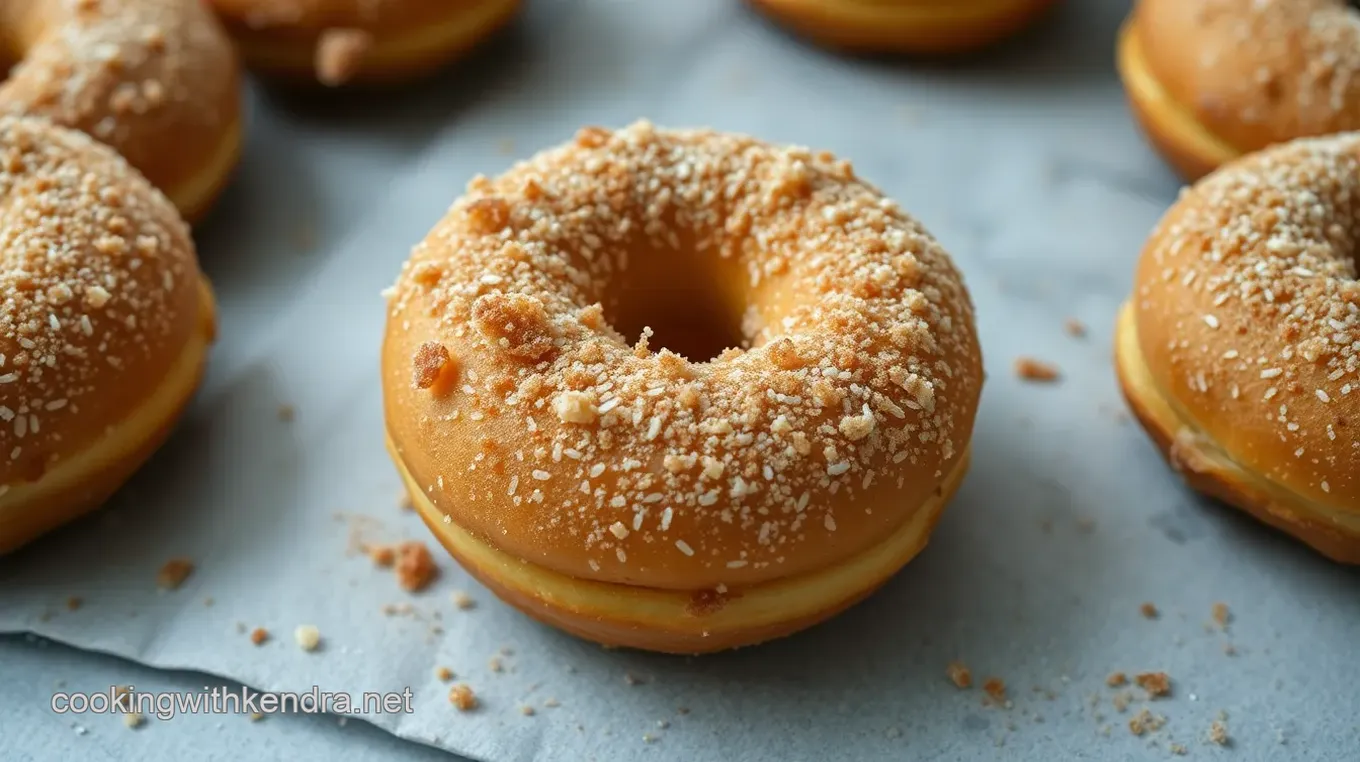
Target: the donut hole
(681, 301)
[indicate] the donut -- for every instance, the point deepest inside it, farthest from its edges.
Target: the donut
(157, 80)
(921, 27)
(1239, 350)
(338, 42)
(105, 322)
(1211, 80)
(794, 458)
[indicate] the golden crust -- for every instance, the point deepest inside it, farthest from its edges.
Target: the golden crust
(156, 79)
(685, 621)
(1247, 313)
(537, 428)
(1208, 469)
(914, 26)
(359, 41)
(1214, 79)
(102, 308)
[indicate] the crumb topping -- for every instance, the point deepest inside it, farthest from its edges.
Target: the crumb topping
(858, 368)
(340, 55)
(1256, 268)
(96, 276)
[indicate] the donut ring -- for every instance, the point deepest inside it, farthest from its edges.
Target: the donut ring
(105, 322)
(1211, 80)
(637, 498)
(1240, 349)
(928, 27)
(156, 79)
(341, 42)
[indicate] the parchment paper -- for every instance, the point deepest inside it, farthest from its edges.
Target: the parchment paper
(1024, 163)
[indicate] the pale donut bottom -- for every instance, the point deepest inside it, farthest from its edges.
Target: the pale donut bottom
(1185, 143)
(683, 621)
(1211, 469)
(393, 57)
(83, 481)
(910, 26)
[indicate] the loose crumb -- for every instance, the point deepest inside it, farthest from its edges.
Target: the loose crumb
(383, 556)
(133, 720)
(1218, 733)
(1146, 722)
(443, 673)
(1075, 328)
(1221, 615)
(308, 637)
(526, 710)
(73, 603)
(1178, 750)
(1149, 611)
(462, 601)
(995, 688)
(648, 738)
(462, 697)
(286, 413)
(552, 703)
(631, 679)
(259, 635)
(1157, 684)
(494, 664)
(173, 573)
(404, 501)
(340, 55)
(1117, 679)
(415, 566)
(1029, 369)
(256, 716)
(1121, 701)
(959, 674)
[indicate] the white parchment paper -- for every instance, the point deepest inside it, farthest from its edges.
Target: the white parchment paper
(1024, 163)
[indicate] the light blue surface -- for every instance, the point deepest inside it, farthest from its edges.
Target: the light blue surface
(1024, 163)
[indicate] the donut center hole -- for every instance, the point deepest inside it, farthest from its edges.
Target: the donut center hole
(680, 301)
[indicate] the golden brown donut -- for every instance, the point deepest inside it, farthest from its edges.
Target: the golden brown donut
(339, 42)
(105, 322)
(156, 79)
(1240, 349)
(1211, 80)
(927, 27)
(633, 496)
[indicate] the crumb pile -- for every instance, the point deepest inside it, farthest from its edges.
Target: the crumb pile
(859, 370)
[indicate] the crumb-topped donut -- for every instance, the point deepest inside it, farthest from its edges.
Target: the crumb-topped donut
(339, 42)
(637, 497)
(105, 321)
(156, 79)
(1211, 80)
(905, 26)
(1240, 349)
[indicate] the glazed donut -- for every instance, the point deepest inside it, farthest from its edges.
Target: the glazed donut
(636, 497)
(340, 42)
(156, 79)
(928, 27)
(105, 321)
(1240, 349)
(1211, 80)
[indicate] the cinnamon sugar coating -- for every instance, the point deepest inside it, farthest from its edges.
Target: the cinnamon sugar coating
(851, 396)
(99, 291)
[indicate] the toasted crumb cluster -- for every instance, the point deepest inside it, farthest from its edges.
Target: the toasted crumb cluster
(1030, 369)
(415, 566)
(340, 55)
(1256, 266)
(96, 277)
(1157, 684)
(959, 674)
(173, 573)
(462, 697)
(858, 370)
